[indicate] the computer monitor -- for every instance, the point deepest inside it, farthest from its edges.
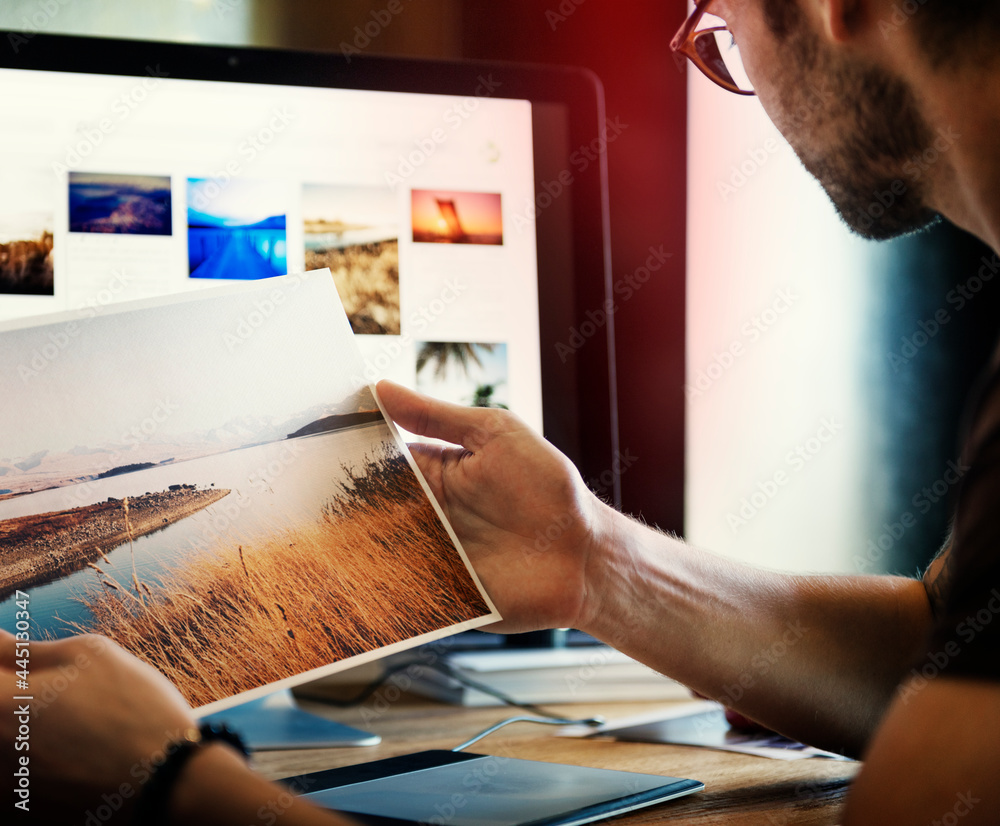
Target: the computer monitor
(461, 206)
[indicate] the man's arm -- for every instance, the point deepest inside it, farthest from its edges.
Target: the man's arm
(816, 658)
(107, 726)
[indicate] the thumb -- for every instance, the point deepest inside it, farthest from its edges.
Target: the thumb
(470, 427)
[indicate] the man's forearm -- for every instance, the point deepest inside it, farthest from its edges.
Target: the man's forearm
(815, 657)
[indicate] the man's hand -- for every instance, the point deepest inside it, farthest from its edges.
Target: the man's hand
(519, 507)
(99, 726)
(98, 719)
(551, 554)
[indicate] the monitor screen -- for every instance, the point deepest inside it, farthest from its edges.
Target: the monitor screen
(460, 207)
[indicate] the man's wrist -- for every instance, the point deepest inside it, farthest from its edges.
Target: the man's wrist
(212, 768)
(608, 546)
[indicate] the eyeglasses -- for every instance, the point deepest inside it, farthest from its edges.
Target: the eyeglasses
(712, 50)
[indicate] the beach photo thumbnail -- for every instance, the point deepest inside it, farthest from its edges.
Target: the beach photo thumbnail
(354, 230)
(26, 254)
(236, 229)
(450, 217)
(473, 374)
(120, 204)
(201, 504)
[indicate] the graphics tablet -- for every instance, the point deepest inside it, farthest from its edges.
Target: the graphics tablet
(463, 789)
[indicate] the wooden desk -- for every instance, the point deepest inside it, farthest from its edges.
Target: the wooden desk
(739, 789)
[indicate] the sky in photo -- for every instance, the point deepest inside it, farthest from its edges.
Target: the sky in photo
(208, 359)
(459, 386)
(361, 205)
(237, 202)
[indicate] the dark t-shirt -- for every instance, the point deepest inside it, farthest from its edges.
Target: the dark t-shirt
(966, 637)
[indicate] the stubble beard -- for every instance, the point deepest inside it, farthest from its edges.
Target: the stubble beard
(860, 143)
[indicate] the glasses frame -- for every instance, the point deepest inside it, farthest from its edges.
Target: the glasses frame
(684, 43)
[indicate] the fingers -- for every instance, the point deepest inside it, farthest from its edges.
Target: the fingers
(470, 427)
(50, 653)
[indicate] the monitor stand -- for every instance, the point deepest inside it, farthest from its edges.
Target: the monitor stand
(276, 722)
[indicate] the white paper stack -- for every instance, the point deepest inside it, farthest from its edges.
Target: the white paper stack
(566, 675)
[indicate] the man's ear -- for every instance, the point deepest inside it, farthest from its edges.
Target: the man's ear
(841, 18)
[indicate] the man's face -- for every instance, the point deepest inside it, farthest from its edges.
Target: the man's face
(853, 125)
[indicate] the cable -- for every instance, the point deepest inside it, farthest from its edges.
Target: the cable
(544, 718)
(548, 721)
(449, 671)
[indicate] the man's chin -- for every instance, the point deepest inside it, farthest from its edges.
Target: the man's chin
(890, 226)
(889, 214)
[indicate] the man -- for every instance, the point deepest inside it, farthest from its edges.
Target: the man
(905, 672)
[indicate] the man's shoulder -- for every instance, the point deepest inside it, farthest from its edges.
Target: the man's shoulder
(963, 581)
(934, 759)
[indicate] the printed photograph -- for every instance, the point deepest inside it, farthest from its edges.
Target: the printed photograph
(445, 217)
(472, 374)
(26, 254)
(219, 497)
(236, 229)
(123, 204)
(354, 230)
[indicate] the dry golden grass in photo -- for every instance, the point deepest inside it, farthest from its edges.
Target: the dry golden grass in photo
(377, 567)
(367, 279)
